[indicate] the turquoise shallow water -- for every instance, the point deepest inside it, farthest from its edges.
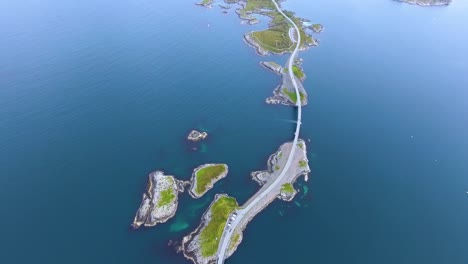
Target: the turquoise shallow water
(95, 95)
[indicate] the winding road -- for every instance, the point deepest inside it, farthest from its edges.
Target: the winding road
(244, 211)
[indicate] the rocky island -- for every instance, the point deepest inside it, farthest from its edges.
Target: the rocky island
(272, 66)
(317, 28)
(205, 176)
(427, 2)
(159, 203)
(206, 3)
(195, 135)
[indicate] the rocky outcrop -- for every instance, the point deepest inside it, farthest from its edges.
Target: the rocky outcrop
(317, 28)
(272, 66)
(195, 135)
(287, 192)
(261, 177)
(159, 203)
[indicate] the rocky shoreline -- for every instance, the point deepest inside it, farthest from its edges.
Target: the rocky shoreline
(272, 66)
(160, 202)
(247, 17)
(194, 183)
(254, 44)
(287, 196)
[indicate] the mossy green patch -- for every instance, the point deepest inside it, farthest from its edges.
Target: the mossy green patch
(292, 95)
(211, 234)
(253, 5)
(206, 175)
(298, 72)
(303, 163)
(287, 188)
(274, 40)
(166, 197)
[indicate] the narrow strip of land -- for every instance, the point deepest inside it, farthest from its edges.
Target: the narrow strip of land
(245, 211)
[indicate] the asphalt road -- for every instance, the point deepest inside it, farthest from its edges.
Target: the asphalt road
(244, 211)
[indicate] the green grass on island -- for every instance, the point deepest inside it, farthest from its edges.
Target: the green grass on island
(277, 167)
(287, 188)
(206, 175)
(211, 234)
(292, 95)
(300, 145)
(166, 197)
(253, 5)
(273, 40)
(317, 27)
(298, 72)
(303, 163)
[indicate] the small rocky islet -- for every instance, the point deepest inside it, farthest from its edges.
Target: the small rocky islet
(196, 136)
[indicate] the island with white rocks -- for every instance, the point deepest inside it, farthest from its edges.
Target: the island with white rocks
(196, 136)
(159, 202)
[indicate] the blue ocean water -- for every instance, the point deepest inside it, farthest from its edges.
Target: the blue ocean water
(94, 95)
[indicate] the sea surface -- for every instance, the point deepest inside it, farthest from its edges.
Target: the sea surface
(94, 95)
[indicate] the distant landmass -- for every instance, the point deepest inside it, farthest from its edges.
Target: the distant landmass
(427, 2)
